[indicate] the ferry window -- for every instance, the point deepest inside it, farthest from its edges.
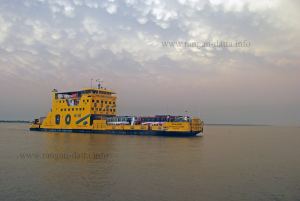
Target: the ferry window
(57, 119)
(82, 108)
(87, 101)
(92, 108)
(105, 102)
(68, 119)
(61, 110)
(69, 109)
(109, 102)
(72, 109)
(65, 109)
(93, 100)
(97, 101)
(102, 102)
(76, 109)
(114, 102)
(83, 100)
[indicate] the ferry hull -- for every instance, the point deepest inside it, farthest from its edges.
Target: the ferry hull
(122, 132)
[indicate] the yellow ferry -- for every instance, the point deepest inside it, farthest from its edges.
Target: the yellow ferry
(93, 110)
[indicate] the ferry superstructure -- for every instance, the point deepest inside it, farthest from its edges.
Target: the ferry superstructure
(94, 110)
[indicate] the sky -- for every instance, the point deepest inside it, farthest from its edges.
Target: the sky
(160, 57)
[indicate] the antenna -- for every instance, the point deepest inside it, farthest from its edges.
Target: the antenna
(99, 83)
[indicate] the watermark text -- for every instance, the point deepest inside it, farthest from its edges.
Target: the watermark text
(64, 156)
(204, 44)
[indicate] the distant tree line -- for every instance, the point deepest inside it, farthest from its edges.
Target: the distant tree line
(14, 121)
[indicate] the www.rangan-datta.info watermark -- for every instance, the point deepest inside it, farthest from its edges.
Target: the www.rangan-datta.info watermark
(204, 44)
(64, 156)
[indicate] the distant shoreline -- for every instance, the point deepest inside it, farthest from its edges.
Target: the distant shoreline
(238, 124)
(14, 121)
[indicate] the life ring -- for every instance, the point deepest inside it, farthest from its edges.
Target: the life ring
(68, 119)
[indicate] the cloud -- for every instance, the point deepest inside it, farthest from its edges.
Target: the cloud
(61, 6)
(91, 26)
(156, 21)
(4, 29)
(111, 8)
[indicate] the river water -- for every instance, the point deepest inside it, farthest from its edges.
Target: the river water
(238, 163)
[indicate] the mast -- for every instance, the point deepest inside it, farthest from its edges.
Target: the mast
(99, 83)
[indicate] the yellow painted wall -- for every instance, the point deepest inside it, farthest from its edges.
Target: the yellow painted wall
(177, 126)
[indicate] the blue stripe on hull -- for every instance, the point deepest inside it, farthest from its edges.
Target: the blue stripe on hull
(120, 132)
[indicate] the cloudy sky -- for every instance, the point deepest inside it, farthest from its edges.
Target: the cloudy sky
(62, 44)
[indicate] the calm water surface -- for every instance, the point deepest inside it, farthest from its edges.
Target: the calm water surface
(229, 163)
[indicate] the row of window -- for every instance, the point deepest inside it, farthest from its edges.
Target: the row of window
(72, 109)
(101, 105)
(94, 109)
(97, 92)
(97, 101)
(105, 102)
(103, 109)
